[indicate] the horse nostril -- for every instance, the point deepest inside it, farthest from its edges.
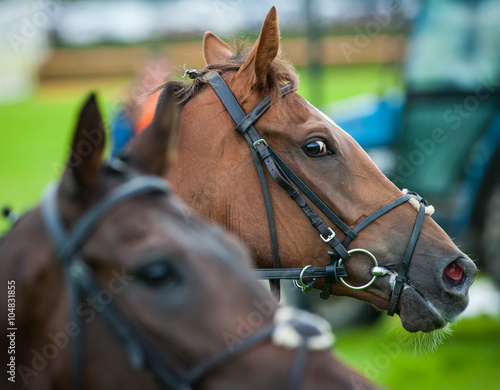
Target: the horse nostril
(454, 271)
(459, 275)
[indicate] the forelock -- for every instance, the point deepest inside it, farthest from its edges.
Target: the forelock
(280, 72)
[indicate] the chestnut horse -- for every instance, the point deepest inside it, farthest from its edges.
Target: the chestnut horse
(216, 175)
(110, 252)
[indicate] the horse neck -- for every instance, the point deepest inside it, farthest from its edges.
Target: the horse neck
(270, 362)
(321, 370)
(40, 298)
(325, 371)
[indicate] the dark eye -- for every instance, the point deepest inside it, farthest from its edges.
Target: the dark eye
(317, 148)
(158, 274)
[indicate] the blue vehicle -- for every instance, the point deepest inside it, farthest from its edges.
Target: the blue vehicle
(441, 135)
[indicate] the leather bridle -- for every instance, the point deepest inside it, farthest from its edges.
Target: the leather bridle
(335, 271)
(142, 352)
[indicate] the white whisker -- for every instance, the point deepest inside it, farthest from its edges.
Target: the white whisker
(424, 342)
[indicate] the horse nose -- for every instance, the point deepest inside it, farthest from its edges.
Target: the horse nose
(458, 275)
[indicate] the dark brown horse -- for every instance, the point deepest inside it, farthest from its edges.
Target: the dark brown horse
(155, 285)
(216, 175)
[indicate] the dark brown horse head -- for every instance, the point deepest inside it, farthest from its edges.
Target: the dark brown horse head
(216, 175)
(180, 283)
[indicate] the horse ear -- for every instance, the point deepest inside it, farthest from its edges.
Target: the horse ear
(215, 49)
(263, 52)
(87, 148)
(153, 150)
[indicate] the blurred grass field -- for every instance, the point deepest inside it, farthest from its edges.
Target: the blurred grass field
(35, 136)
(467, 360)
(34, 143)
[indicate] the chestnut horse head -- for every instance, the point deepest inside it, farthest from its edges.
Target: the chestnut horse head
(216, 175)
(175, 290)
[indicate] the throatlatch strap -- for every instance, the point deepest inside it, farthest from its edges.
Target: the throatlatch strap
(274, 284)
(244, 122)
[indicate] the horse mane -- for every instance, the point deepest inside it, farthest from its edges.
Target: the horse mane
(280, 72)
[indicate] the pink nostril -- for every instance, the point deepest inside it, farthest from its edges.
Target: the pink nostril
(454, 271)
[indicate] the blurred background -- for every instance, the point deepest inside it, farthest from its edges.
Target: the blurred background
(415, 82)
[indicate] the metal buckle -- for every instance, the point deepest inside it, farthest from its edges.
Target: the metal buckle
(258, 142)
(374, 259)
(305, 288)
(330, 237)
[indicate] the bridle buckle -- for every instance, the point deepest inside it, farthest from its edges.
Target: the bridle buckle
(330, 237)
(258, 142)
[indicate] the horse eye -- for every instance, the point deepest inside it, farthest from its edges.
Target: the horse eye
(317, 148)
(158, 274)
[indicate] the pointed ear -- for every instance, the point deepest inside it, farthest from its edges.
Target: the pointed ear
(215, 49)
(263, 52)
(153, 151)
(86, 151)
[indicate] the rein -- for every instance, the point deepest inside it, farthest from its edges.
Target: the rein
(142, 352)
(283, 175)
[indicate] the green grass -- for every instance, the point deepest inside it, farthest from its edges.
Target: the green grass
(340, 82)
(34, 140)
(468, 359)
